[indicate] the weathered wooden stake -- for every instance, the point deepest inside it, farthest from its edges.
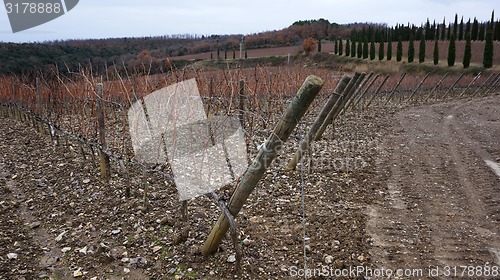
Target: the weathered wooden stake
(41, 127)
(241, 97)
(453, 86)
(103, 157)
(356, 91)
(363, 93)
(482, 85)
(267, 153)
(435, 87)
(377, 91)
(127, 178)
(318, 122)
(493, 84)
(334, 112)
(418, 87)
(395, 88)
(470, 84)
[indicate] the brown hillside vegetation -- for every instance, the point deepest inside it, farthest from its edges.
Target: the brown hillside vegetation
(477, 52)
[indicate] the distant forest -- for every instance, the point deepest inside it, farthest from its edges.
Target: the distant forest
(131, 53)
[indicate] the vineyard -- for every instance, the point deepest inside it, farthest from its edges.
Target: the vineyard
(76, 202)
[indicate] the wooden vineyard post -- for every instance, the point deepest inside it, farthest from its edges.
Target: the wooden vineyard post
(267, 153)
(470, 84)
(435, 87)
(453, 86)
(377, 91)
(351, 87)
(493, 84)
(482, 85)
(39, 110)
(103, 157)
(356, 91)
(395, 88)
(241, 97)
(418, 87)
(361, 96)
(318, 122)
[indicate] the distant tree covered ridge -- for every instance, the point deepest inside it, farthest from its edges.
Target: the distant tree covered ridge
(154, 51)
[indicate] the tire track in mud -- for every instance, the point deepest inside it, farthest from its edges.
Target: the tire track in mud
(441, 206)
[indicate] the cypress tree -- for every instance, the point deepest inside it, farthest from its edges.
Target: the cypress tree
(246, 55)
(475, 30)
(455, 26)
(411, 48)
(381, 51)
(365, 48)
(372, 49)
(347, 48)
(319, 45)
(488, 50)
(359, 51)
(480, 37)
(341, 47)
(234, 54)
(443, 30)
(448, 32)
(428, 32)
(421, 50)
(353, 48)
(436, 52)
(335, 46)
(461, 30)
(467, 27)
(496, 32)
(468, 51)
(399, 50)
(225, 54)
(434, 31)
(492, 20)
(389, 48)
(451, 51)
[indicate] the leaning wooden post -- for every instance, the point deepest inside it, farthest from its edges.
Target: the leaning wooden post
(453, 86)
(493, 84)
(241, 97)
(482, 85)
(318, 122)
(395, 88)
(470, 84)
(418, 87)
(103, 157)
(359, 91)
(360, 84)
(435, 87)
(376, 92)
(38, 110)
(346, 101)
(363, 93)
(267, 153)
(337, 107)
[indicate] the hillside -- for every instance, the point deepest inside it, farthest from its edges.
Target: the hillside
(156, 53)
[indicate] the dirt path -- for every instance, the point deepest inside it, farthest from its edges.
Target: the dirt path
(441, 208)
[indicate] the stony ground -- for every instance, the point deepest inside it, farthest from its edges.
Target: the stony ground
(416, 191)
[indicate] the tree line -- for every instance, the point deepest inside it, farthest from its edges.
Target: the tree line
(361, 43)
(130, 53)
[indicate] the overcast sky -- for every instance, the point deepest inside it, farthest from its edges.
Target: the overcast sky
(132, 18)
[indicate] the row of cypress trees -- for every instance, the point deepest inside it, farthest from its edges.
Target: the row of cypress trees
(360, 49)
